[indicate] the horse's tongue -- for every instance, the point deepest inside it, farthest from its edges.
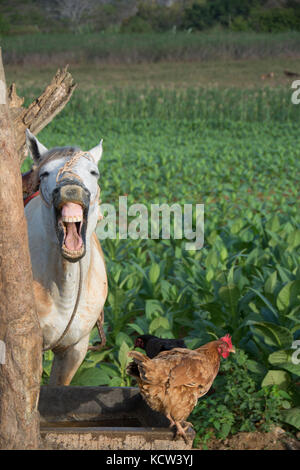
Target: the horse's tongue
(73, 240)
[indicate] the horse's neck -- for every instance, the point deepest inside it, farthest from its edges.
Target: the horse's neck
(67, 276)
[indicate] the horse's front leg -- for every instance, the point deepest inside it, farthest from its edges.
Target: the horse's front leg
(66, 362)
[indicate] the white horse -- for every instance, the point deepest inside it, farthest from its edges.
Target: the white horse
(70, 283)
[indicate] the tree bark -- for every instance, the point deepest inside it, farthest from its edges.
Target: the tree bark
(21, 366)
(42, 110)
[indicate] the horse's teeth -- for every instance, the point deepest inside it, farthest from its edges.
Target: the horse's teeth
(71, 219)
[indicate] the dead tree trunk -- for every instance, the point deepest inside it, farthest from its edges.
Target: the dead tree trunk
(20, 335)
(42, 110)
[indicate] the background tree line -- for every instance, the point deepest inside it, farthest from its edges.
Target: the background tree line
(29, 16)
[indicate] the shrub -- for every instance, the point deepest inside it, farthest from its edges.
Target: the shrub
(239, 403)
(135, 24)
(201, 17)
(153, 17)
(239, 24)
(275, 20)
(4, 25)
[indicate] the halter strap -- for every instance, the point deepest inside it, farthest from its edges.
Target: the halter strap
(66, 170)
(69, 164)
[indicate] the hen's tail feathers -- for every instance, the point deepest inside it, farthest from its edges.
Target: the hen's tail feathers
(133, 368)
(138, 357)
(142, 367)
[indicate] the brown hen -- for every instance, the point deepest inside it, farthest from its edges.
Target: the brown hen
(172, 382)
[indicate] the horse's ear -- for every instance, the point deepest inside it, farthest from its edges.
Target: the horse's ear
(36, 149)
(97, 152)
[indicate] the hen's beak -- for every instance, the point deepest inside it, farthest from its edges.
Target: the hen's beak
(232, 349)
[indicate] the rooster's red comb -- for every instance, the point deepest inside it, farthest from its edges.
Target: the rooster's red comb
(227, 339)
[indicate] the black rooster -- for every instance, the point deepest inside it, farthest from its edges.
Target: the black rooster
(154, 345)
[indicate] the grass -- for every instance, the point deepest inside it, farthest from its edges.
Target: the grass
(42, 49)
(213, 74)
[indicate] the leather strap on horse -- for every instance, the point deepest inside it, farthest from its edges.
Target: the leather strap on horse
(102, 336)
(73, 313)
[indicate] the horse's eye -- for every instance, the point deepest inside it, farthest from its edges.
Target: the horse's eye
(95, 173)
(44, 174)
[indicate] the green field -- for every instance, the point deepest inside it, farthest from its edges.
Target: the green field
(169, 137)
(148, 48)
(237, 152)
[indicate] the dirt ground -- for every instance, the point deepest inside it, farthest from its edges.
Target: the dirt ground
(275, 440)
(256, 73)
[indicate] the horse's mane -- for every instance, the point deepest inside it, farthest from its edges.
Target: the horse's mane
(57, 153)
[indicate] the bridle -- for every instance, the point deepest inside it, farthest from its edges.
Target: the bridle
(66, 172)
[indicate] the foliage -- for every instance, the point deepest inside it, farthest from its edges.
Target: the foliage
(275, 20)
(242, 16)
(153, 17)
(235, 152)
(201, 17)
(4, 25)
(135, 24)
(238, 403)
(140, 16)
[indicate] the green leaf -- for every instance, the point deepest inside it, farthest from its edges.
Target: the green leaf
(154, 273)
(123, 355)
(294, 315)
(212, 259)
(289, 296)
(110, 370)
(165, 288)
(270, 284)
(273, 224)
(273, 335)
(92, 377)
(292, 417)
(136, 328)
(293, 239)
(209, 274)
(276, 377)
(225, 430)
(266, 302)
(95, 357)
(223, 253)
(256, 367)
(159, 322)
(230, 294)
(115, 382)
(237, 226)
(121, 337)
(280, 357)
(153, 306)
(292, 368)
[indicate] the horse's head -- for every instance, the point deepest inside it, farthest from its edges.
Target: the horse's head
(69, 189)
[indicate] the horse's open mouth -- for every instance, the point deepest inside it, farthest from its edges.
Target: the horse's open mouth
(71, 227)
(71, 202)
